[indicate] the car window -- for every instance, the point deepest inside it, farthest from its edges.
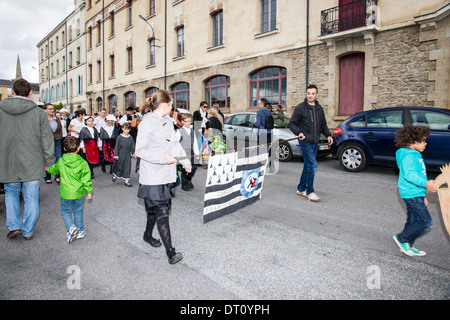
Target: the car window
(251, 120)
(280, 121)
(239, 120)
(385, 119)
(228, 119)
(358, 123)
(435, 120)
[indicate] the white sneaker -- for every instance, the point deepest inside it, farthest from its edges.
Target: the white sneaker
(72, 234)
(313, 197)
(302, 193)
(81, 234)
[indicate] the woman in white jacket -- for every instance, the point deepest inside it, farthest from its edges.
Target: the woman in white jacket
(157, 146)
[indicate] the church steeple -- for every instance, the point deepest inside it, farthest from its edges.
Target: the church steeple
(18, 69)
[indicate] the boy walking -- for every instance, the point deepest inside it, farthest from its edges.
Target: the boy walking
(412, 184)
(75, 181)
(188, 141)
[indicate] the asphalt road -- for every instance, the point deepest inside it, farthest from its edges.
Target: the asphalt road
(280, 248)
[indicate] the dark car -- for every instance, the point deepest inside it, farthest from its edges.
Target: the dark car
(368, 137)
(241, 126)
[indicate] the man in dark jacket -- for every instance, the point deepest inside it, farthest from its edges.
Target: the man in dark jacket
(27, 149)
(308, 123)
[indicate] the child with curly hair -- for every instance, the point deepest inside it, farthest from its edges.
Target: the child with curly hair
(412, 184)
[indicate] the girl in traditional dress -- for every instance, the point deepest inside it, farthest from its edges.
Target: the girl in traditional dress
(90, 143)
(123, 152)
(108, 137)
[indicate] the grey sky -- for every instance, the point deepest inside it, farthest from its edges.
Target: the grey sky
(23, 23)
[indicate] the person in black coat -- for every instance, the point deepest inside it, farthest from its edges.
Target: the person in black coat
(214, 125)
(308, 122)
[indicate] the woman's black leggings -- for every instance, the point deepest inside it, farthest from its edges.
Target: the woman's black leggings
(160, 216)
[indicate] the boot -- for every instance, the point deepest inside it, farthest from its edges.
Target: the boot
(153, 242)
(174, 257)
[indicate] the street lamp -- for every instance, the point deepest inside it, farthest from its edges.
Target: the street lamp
(165, 54)
(143, 18)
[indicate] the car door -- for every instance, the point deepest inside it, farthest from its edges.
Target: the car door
(252, 131)
(380, 133)
(237, 131)
(437, 151)
(228, 127)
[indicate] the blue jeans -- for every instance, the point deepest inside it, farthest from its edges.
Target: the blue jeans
(31, 206)
(76, 207)
(418, 220)
(309, 153)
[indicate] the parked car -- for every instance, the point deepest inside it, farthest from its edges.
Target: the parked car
(241, 126)
(368, 137)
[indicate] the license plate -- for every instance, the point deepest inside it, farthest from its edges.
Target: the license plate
(324, 147)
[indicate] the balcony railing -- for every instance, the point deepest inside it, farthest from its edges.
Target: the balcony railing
(352, 15)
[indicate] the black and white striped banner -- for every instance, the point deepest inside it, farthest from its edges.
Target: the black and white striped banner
(233, 181)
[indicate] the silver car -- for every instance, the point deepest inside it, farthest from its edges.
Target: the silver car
(240, 126)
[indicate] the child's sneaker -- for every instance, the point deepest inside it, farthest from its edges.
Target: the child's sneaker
(417, 252)
(72, 234)
(81, 234)
(404, 247)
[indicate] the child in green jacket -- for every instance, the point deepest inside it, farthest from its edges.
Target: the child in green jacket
(75, 181)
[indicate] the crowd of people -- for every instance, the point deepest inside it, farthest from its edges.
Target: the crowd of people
(48, 142)
(38, 143)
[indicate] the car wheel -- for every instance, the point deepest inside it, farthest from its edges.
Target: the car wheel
(352, 158)
(283, 151)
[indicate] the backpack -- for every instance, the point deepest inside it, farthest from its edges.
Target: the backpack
(269, 122)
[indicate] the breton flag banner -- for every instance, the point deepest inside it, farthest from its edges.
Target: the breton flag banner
(233, 181)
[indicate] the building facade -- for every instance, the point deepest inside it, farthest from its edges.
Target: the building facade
(361, 54)
(6, 90)
(62, 62)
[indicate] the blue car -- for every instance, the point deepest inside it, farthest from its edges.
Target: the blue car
(368, 137)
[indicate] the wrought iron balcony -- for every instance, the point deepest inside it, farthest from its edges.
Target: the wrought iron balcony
(352, 15)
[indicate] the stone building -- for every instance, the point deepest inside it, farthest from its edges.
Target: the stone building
(401, 57)
(62, 62)
(360, 54)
